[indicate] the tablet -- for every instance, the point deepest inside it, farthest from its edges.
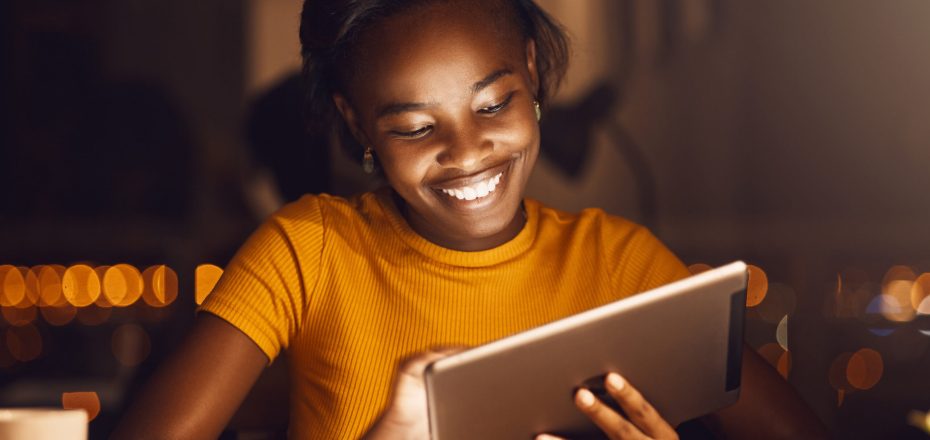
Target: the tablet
(679, 344)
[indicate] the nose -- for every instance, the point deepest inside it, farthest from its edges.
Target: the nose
(465, 147)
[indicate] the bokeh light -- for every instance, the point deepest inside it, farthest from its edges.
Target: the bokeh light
(50, 285)
(205, 279)
(58, 315)
(864, 368)
(161, 286)
(779, 301)
(757, 286)
(838, 378)
(874, 315)
(122, 285)
(697, 268)
(130, 344)
(777, 357)
(80, 285)
(19, 317)
(24, 343)
(919, 420)
(781, 333)
(920, 290)
(32, 287)
(12, 286)
(86, 400)
(102, 300)
(896, 287)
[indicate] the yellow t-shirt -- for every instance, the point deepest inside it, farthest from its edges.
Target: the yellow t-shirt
(349, 290)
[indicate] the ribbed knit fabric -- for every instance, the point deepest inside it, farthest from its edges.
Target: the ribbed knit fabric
(349, 290)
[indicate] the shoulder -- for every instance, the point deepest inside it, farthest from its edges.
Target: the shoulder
(589, 222)
(638, 259)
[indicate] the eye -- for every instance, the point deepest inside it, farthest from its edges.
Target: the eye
(420, 132)
(497, 107)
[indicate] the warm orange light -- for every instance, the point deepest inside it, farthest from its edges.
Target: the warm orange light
(18, 317)
(122, 285)
(920, 290)
(24, 343)
(59, 315)
(93, 315)
(32, 287)
(102, 300)
(757, 286)
(12, 286)
(80, 285)
(784, 364)
(161, 286)
(864, 368)
(205, 278)
(697, 268)
(86, 400)
(130, 344)
(50, 285)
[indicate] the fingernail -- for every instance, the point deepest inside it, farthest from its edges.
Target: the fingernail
(615, 381)
(585, 397)
(546, 437)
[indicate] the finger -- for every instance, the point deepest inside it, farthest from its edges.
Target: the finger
(613, 424)
(548, 437)
(414, 366)
(637, 409)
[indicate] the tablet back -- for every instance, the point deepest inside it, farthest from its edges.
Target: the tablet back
(679, 344)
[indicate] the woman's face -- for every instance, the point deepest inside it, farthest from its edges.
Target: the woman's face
(444, 97)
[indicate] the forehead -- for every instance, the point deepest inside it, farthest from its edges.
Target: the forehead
(442, 45)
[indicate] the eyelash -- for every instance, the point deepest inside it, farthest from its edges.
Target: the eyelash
(489, 110)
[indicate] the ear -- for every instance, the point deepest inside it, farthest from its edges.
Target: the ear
(351, 118)
(531, 64)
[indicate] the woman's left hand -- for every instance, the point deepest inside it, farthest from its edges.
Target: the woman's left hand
(642, 421)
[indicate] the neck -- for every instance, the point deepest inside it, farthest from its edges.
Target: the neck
(465, 244)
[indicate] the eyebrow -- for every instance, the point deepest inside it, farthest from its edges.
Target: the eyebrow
(402, 107)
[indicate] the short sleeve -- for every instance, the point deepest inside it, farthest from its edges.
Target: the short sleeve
(264, 289)
(643, 262)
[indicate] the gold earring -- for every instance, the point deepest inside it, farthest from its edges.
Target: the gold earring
(538, 110)
(368, 161)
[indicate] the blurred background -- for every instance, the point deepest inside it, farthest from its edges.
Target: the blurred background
(145, 139)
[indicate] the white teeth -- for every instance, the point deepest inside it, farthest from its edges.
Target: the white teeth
(476, 191)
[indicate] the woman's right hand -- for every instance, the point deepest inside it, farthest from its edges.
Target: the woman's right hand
(407, 416)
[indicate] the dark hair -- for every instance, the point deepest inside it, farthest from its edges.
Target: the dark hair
(329, 29)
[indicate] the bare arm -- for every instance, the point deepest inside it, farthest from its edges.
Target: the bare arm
(768, 407)
(198, 389)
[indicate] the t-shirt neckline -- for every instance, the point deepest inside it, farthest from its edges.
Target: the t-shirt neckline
(507, 251)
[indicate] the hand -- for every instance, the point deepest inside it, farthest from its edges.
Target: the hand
(642, 420)
(407, 415)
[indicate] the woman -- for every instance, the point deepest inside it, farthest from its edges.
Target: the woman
(444, 97)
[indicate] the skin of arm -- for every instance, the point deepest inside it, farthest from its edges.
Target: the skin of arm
(198, 388)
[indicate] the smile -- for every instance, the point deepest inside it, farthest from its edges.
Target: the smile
(476, 190)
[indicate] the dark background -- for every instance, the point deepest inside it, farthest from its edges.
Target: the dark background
(789, 133)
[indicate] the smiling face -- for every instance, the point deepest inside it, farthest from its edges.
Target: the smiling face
(444, 96)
